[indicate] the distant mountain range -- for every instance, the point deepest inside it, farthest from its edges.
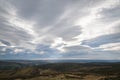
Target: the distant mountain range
(40, 62)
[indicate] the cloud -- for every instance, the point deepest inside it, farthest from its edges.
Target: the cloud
(77, 49)
(45, 12)
(108, 15)
(59, 29)
(4, 43)
(111, 46)
(101, 40)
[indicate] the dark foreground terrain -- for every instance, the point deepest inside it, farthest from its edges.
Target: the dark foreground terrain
(28, 70)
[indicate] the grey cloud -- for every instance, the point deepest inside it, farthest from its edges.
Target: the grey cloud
(45, 49)
(51, 23)
(5, 42)
(4, 50)
(66, 32)
(45, 12)
(110, 14)
(3, 10)
(116, 28)
(26, 9)
(86, 53)
(77, 49)
(95, 42)
(12, 34)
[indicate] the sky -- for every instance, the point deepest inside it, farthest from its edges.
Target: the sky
(60, 29)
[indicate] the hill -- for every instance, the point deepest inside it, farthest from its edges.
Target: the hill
(60, 71)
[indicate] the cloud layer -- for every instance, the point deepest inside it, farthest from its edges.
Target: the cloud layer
(60, 29)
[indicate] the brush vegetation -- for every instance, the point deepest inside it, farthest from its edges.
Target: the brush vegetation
(60, 71)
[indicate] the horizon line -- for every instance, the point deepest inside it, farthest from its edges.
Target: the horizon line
(60, 59)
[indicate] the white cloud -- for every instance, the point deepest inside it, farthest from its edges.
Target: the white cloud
(57, 42)
(91, 24)
(18, 50)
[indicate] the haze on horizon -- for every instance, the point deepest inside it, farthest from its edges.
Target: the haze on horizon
(60, 29)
